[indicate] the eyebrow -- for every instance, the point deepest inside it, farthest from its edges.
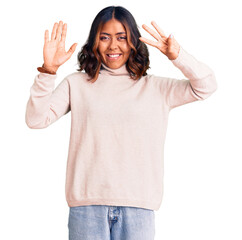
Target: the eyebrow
(115, 34)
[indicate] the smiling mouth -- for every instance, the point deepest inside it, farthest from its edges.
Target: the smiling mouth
(114, 56)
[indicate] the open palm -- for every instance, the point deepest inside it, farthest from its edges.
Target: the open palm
(54, 49)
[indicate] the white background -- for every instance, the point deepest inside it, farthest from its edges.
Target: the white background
(203, 161)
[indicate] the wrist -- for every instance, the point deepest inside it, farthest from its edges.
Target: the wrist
(50, 68)
(173, 56)
(45, 69)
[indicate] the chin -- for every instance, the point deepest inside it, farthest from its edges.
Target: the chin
(113, 66)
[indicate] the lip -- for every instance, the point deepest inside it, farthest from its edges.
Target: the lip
(113, 58)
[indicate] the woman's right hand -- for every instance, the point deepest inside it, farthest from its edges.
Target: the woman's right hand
(54, 49)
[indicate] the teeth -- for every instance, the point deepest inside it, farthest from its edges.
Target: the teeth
(116, 55)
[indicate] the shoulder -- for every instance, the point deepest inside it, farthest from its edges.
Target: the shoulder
(161, 82)
(156, 79)
(77, 75)
(77, 78)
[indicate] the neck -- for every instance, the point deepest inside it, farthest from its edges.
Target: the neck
(121, 71)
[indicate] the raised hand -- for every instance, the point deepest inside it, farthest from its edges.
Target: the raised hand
(166, 45)
(54, 49)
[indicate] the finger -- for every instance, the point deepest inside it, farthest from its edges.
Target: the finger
(63, 35)
(54, 31)
(46, 36)
(71, 50)
(158, 29)
(151, 32)
(59, 30)
(150, 42)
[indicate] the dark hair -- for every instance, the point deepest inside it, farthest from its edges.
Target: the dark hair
(89, 58)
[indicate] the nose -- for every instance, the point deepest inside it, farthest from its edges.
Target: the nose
(113, 44)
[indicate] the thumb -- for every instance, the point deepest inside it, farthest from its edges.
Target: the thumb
(170, 42)
(170, 39)
(71, 50)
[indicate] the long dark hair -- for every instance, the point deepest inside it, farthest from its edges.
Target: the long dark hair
(89, 58)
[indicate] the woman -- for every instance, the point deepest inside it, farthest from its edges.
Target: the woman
(119, 113)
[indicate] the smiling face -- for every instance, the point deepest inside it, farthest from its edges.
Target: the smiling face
(113, 45)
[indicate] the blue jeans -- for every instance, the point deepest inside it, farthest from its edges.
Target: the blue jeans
(103, 222)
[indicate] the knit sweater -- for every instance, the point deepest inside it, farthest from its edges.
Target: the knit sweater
(118, 128)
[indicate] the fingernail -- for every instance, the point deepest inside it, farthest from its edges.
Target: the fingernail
(171, 36)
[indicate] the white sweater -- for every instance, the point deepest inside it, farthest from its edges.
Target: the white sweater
(118, 129)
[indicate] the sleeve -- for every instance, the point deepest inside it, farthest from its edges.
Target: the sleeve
(46, 105)
(201, 82)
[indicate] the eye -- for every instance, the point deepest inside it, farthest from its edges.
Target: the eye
(122, 38)
(103, 38)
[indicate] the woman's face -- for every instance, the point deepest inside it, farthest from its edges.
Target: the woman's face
(113, 46)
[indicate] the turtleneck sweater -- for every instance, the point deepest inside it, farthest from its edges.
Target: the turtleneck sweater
(118, 128)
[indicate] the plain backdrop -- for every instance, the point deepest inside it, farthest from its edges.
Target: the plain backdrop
(203, 161)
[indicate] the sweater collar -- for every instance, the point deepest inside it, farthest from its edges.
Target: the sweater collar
(122, 71)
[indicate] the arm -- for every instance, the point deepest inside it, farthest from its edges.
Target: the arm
(201, 82)
(45, 105)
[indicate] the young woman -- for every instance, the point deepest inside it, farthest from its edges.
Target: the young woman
(119, 114)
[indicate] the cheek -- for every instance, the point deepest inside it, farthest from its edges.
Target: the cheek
(101, 48)
(127, 50)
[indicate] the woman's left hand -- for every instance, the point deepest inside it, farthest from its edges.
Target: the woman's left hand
(166, 45)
